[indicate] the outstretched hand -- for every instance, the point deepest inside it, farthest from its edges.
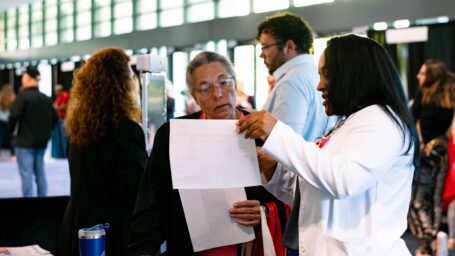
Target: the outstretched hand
(257, 125)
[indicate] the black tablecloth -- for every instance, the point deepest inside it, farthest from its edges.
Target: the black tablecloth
(27, 221)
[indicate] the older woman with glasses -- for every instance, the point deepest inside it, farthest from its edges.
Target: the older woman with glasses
(159, 214)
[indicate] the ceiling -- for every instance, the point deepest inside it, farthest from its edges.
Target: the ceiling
(339, 16)
(5, 4)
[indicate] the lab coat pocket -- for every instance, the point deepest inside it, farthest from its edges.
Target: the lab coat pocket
(359, 246)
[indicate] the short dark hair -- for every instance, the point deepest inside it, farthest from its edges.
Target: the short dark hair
(33, 72)
(360, 74)
(284, 26)
(203, 58)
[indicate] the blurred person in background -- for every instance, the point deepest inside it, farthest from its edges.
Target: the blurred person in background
(7, 97)
(106, 151)
(433, 110)
(59, 137)
(244, 100)
(170, 100)
(434, 103)
(31, 121)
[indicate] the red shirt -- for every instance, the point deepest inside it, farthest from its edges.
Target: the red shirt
(61, 99)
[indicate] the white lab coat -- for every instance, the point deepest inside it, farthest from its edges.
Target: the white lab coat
(355, 191)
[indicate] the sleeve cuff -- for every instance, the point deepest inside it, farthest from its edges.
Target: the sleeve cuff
(274, 137)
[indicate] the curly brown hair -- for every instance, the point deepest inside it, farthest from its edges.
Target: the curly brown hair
(101, 95)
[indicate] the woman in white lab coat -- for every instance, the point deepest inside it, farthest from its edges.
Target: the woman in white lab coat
(355, 184)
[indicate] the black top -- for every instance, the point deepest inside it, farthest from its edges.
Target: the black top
(35, 116)
(104, 180)
(434, 120)
(158, 215)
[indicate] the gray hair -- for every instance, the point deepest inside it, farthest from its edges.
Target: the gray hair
(203, 58)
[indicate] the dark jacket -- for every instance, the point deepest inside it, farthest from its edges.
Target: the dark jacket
(434, 119)
(158, 214)
(105, 177)
(35, 117)
(425, 211)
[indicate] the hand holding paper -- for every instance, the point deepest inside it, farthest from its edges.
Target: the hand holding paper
(208, 220)
(247, 213)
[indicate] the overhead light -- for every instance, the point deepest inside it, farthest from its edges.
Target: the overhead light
(75, 58)
(2, 66)
(9, 65)
(143, 50)
(300, 3)
(407, 35)
(86, 57)
(232, 43)
(54, 61)
(361, 30)
(442, 19)
(67, 66)
(401, 23)
(380, 25)
(427, 21)
(433, 20)
(169, 50)
(129, 52)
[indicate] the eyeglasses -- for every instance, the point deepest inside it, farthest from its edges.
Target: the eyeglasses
(225, 84)
(265, 46)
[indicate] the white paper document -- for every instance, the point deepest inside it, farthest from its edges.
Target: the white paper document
(207, 154)
(30, 250)
(208, 219)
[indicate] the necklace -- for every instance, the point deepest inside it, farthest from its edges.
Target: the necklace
(320, 142)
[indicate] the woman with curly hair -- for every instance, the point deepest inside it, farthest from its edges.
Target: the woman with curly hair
(106, 151)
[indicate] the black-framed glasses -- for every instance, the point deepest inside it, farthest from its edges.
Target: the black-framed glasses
(265, 46)
(224, 83)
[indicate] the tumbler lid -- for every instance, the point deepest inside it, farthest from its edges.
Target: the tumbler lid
(91, 234)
